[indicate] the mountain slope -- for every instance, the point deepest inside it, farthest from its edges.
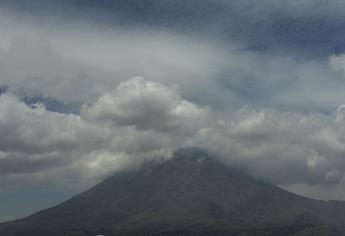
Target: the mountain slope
(190, 192)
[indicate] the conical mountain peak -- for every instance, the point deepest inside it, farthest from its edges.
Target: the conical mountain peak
(190, 191)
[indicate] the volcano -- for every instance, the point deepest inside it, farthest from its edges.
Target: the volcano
(189, 194)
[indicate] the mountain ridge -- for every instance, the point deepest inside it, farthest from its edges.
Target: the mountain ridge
(191, 192)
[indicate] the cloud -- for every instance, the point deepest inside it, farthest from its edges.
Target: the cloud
(282, 147)
(147, 106)
(35, 139)
(337, 62)
(311, 26)
(140, 119)
(143, 119)
(71, 66)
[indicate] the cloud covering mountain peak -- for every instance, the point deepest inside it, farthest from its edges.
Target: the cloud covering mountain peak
(143, 119)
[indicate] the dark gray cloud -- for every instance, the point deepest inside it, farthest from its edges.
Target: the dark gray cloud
(313, 26)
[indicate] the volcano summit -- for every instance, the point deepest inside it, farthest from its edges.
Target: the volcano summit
(191, 194)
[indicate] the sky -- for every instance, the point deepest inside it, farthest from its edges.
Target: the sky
(90, 88)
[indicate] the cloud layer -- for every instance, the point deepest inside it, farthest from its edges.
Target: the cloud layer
(145, 119)
(135, 121)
